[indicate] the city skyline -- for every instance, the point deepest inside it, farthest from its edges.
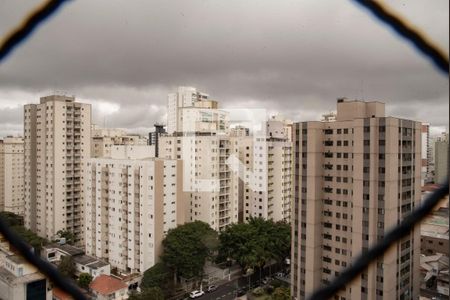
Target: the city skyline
(296, 65)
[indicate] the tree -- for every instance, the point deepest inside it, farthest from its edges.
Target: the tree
(15, 222)
(254, 243)
(84, 280)
(281, 293)
(154, 293)
(68, 235)
(156, 276)
(186, 248)
(66, 266)
(11, 219)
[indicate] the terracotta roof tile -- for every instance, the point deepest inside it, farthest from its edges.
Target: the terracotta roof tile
(106, 285)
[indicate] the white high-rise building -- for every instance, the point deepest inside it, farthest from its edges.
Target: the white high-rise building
(210, 185)
(426, 176)
(131, 203)
(198, 134)
(57, 146)
(267, 188)
(11, 175)
(184, 97)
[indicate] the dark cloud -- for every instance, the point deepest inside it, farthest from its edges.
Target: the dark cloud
(292, 56)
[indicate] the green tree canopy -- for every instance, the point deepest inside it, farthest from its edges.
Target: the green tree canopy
(254, 243)
(84, 280)
(281, 293)
(66, 266)
(15, 222)
(157, 276)
(153, 293)
(11, 219)
(187, 247)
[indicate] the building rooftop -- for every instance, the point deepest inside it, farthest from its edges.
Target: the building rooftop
(59, 294)
(84, 259)
(16, 259)
(98, 264)
(436, 225)
(71, 250)
(106, 285)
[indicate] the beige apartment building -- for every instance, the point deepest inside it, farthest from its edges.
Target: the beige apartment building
(57, 146)
(441, 163)
(210, 185)
(11, 175)
(267, 179)
(198, 134)
(131, 203)
(426, 155)
(103, 140)
(355, 178)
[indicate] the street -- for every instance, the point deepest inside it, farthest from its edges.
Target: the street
(228, 290)
(223, 292)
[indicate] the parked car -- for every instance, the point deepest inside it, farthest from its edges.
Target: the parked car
(196, 294)
(211, 288)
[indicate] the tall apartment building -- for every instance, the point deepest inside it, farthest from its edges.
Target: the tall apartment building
(11, 175)
(426, 155)
(355, 178)
(210, 185)
(103, 139)
(131, 203)
(267, 188)
(57, 146)
(198, 134)
(184, 97)
(441, 163)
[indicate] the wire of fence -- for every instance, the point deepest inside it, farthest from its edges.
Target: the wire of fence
(440, 60)
(419, 40)
(28, 26)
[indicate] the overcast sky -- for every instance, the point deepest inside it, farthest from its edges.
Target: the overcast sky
(293, 57)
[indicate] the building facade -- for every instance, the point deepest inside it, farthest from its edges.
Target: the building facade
(441, 163)
(426, 155)
(12, 175)
(355, 178)
(56, 148)
(103, 139)
(183, 97)
(211, 186)
(267, 185)
(198, 134)
(131, 203)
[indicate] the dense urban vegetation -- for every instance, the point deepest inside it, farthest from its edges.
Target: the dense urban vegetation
(15, 222)
(255, 243)
(84, 280)
(187, 248)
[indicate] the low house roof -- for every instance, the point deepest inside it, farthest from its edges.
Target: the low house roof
(106, 285)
